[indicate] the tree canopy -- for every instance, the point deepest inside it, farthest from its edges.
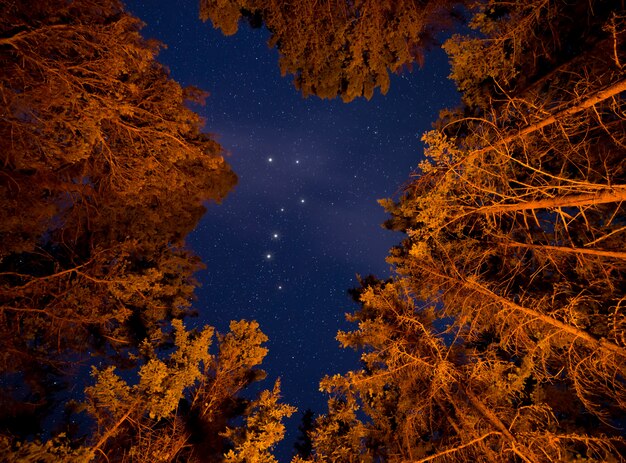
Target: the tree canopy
(105, 170)
(337, 47)
(501, 336)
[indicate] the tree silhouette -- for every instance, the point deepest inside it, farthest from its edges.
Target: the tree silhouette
(303, 445)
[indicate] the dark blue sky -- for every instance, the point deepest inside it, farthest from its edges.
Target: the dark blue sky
(286, 244)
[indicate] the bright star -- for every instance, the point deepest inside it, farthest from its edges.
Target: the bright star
(270, 159)
(302, 200)
(297, 161)
(268, 256)
(275, 235)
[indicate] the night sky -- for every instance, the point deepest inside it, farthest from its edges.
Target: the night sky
(288, 241)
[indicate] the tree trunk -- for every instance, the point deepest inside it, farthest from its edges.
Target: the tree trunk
(596, 98)
(568, 250)
(577, 333)
(605, 195)
(113, 429)
(457, 448)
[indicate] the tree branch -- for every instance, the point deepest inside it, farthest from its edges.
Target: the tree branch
(596, 98)
(456, 449)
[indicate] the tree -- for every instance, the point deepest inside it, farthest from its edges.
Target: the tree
(100, 154)
(336, 47)
(303, 445)
(501, 336)
(104, 172)
(506, 219)
(428, 394)
(178, 409)
(89, 114)
(254, 442)
(338, 436)
(182, 408)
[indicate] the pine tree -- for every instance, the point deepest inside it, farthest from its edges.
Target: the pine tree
(254, 442)
(100, 154)
(501, 337)
(105, 170)
(515, 223)
(337, 47)
(178, 410)
(428, 394)
(303, 445)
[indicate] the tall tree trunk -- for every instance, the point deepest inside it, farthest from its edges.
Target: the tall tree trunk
(596, 98)
(577, 333)
(605, 195)
(568, 250)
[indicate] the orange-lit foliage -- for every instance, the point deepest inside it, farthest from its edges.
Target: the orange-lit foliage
(502, 336)
(337, 47)
(431, 394)
(104, 172)
(182, 407)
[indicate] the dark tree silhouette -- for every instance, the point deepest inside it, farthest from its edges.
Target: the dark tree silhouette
(303, 445)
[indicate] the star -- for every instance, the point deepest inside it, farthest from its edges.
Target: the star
(302, 201)
(268, 256)
(270, 159)
(275, 236)
(280, 286)
(297, 161)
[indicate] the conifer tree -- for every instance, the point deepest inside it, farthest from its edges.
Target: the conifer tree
(105, 170)
(515, 223)
(178, 410)
(427, 394)
(501, 337)
(337, 47)
(99, 155)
